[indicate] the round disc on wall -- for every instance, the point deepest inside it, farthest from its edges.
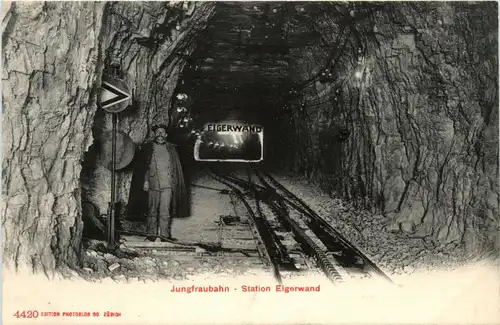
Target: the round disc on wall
(125, 150)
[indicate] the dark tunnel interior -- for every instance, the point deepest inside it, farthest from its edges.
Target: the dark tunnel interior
(133, 133)
(374, 102)
(242, 69)
(380, 116)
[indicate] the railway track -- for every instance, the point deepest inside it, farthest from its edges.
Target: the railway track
(287, 214)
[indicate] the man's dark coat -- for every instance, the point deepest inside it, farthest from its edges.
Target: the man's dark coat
(138, 197)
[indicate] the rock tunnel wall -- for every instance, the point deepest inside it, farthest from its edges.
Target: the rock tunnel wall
(53, 57)
(416, 85)
(144, 41)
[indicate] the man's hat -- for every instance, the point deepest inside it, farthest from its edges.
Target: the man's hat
(160, 126)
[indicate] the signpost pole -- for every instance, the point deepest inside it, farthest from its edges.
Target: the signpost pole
(113, 99)
(112, 214)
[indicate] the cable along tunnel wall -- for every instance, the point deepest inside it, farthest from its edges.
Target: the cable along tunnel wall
(416, 86)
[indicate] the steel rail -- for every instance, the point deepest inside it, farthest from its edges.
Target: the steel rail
(303, 207)
(301, 237)
(285, 259)
(313, 249)
(263, 232)
(332, 239)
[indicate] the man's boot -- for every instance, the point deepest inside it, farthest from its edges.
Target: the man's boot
(169, 239)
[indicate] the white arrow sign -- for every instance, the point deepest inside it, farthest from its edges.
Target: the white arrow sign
(112, 95)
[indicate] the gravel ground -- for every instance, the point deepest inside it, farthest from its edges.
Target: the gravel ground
(208, 205)
(98, 264)
(394, 252)
(199, 227)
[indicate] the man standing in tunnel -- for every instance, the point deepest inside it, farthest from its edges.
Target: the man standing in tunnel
(164, 182)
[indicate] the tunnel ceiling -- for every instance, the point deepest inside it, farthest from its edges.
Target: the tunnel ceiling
(243, 58)
(246, 59)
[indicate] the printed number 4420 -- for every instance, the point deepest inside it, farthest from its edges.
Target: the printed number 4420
(26, 314)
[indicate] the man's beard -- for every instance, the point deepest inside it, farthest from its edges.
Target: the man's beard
(160, 139)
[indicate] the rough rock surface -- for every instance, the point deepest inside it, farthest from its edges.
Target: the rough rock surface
(395, 252)
(145, 41)
(416, 86)
(53, 57)
(51, 72)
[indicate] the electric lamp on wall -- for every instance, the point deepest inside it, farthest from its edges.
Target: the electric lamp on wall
(181, 96)
(293, 92)
(326, 76)
(185, 122)
(114, 71)
(300, 8)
